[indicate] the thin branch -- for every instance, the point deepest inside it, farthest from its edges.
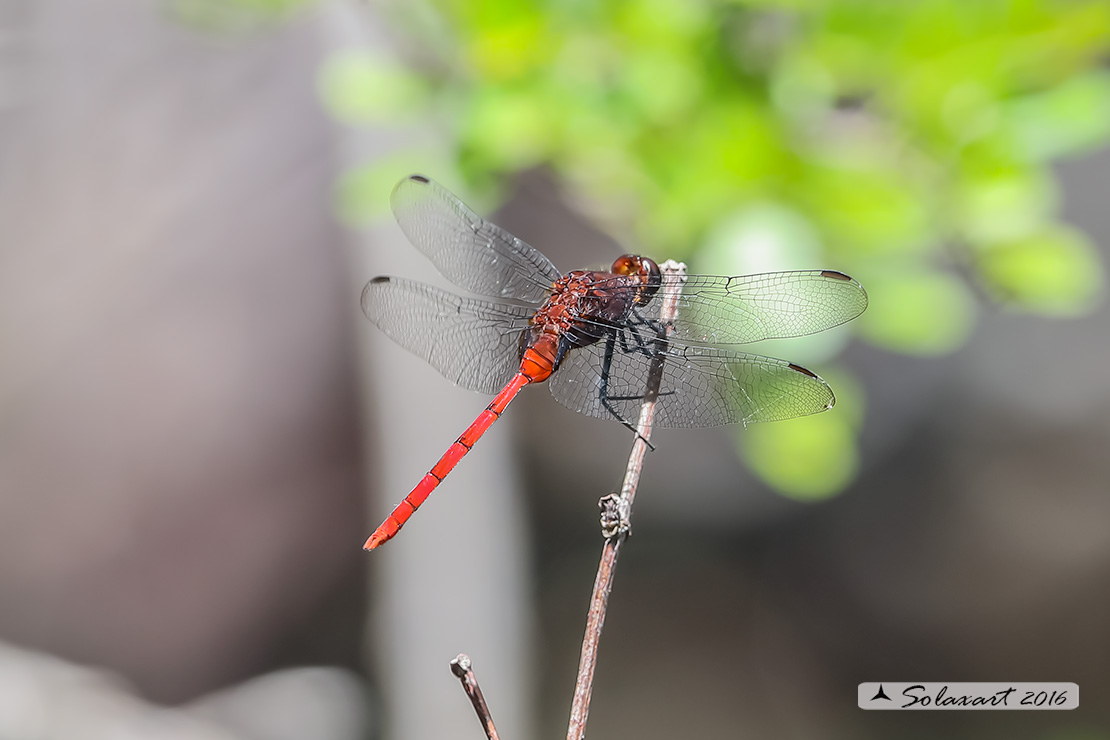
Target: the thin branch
(460, 666)
(617, 513)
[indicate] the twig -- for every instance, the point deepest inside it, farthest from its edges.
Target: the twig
(617, 512)
(460, 666)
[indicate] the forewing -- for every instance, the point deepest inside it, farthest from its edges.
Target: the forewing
(472, 253)
(701, 386)
(750, 308)
(472, 342)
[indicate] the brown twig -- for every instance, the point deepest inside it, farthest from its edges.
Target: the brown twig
(460, 666)
(617, 513)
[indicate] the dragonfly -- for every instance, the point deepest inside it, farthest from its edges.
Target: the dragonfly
(594, 336)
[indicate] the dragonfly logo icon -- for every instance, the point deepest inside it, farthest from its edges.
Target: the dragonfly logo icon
(881, 695)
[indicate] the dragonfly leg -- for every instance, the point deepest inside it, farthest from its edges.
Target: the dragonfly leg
(603, 391)
(658, 327)
(642, 345)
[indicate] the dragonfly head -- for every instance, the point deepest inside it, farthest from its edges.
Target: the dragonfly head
(644, 268)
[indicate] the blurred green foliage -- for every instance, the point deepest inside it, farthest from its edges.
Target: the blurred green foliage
(907, 143)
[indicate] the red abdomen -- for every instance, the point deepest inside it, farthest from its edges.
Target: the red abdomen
(540, 356)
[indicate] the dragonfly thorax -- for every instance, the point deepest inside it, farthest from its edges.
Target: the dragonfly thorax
(583, 307)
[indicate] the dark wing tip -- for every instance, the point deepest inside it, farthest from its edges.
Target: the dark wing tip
(409, 192)
(819, 379)
(841, 277)
(367, 299)
(803, 371)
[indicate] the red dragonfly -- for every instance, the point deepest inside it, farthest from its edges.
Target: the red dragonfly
(593, 335)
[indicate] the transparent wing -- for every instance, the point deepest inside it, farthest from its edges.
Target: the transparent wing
(700, 387)
(472, 253)
(473, 342)
(750, 308)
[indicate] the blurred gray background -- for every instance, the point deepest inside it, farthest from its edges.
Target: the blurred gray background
(198, 430)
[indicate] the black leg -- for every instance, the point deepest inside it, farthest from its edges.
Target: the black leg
(603, 391)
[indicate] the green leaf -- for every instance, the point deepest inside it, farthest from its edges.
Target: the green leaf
(1007, 203)
(509, 129)
(651, 23)
(916, 311)
(1070, 118)
(801, 86)
(869, 209)
(808, 459)
(508, 45)
(663, 85)
(1056, 272)
(361, 87)
(970, 111)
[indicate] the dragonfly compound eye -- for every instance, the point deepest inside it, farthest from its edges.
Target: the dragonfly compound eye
(626, 264)
(652, 279)
(644, 268)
